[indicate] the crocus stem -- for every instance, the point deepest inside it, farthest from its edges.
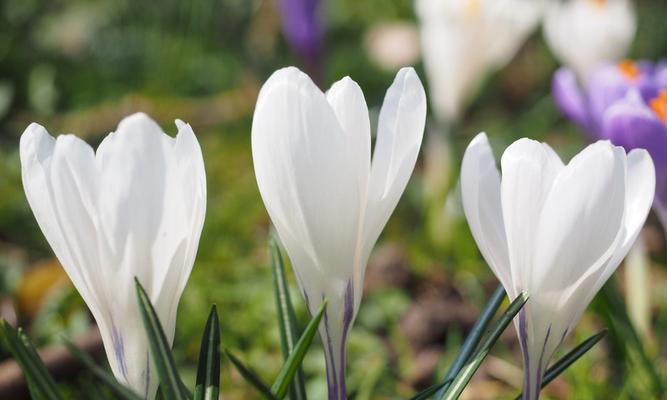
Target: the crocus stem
(532, 370)
(336, 376)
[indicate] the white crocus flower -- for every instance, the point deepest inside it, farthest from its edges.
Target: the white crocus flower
(555, 231)
(583, 34)
(328, 202)
(464, 40)
(133, 209)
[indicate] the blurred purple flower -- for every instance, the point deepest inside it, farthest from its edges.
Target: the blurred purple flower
(625, 103)
(304, 30)
(632, 122)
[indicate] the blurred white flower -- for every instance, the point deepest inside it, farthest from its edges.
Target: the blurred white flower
(134, 208)
(555, 231)
(583, 34)
(327, 200)
(464, 40)
(393, 45)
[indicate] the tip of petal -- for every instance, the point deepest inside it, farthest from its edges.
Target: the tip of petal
(35, 140)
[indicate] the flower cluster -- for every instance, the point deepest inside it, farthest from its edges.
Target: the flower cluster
(625, 103)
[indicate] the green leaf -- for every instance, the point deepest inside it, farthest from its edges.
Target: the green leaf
(475, 361)
(473, 339)
(617, 316)
(251, 376)
(170, 383)
(208, 371)
(295, 358)
(286, 319)
(40, 382)
(426, 393)
(121, 391)
(570, 358)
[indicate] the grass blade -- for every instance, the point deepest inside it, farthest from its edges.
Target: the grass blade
(286, 319)
(40, 382)
(251, 376)
(284, 379)
(617, 316)
(208, 371)
(120, 390)
(475, 361)
(473, 339)
(570, 358)
(170, 383)
(429, 391)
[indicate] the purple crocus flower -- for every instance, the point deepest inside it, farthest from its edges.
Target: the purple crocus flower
(625, 103)
(304, 31)
(633, 122)
(585, 104)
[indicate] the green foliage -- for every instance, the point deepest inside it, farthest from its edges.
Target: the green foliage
(208, 372)
(286, 319)
(170, 382)
(119, 390)
(40, 383)
(468, 370)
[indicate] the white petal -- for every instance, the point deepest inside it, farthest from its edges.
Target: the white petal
(640, 189)
(529, 169)
(581, 220)
(348, 103)
(308, 179)
(480, 191)
(583, 33)
(400, 132)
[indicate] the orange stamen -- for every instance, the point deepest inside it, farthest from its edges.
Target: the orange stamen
(659, 105)
(629, 69)
(599, 3)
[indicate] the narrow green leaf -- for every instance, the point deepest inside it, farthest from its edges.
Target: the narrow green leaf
(208, 371)
(473, 339)
(570, 358)
(251, 376)
(475, 361)
(295, 358)
(121, 391)
(170, 383)
(617, 315)
(286, 319)
(426, 393)
(40, 382)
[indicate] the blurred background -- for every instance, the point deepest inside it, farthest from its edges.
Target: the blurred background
(79, 66)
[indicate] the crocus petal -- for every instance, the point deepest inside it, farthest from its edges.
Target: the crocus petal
(400, 132)
(583, 34)
(569, 98)
(480, 191)
(348, 103)
(309, 181)
(529, 169)
(116, 215)
(463, 41)
(579, 228)
(632, 124)
(640, 189)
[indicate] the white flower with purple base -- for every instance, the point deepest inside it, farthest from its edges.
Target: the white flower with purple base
(134, 208)
(554, 231)
(328, 201)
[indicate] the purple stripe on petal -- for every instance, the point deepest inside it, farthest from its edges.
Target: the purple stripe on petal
(523, 340)
(119, 349)
(541, 361)
(348, 314)
(332, 378)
